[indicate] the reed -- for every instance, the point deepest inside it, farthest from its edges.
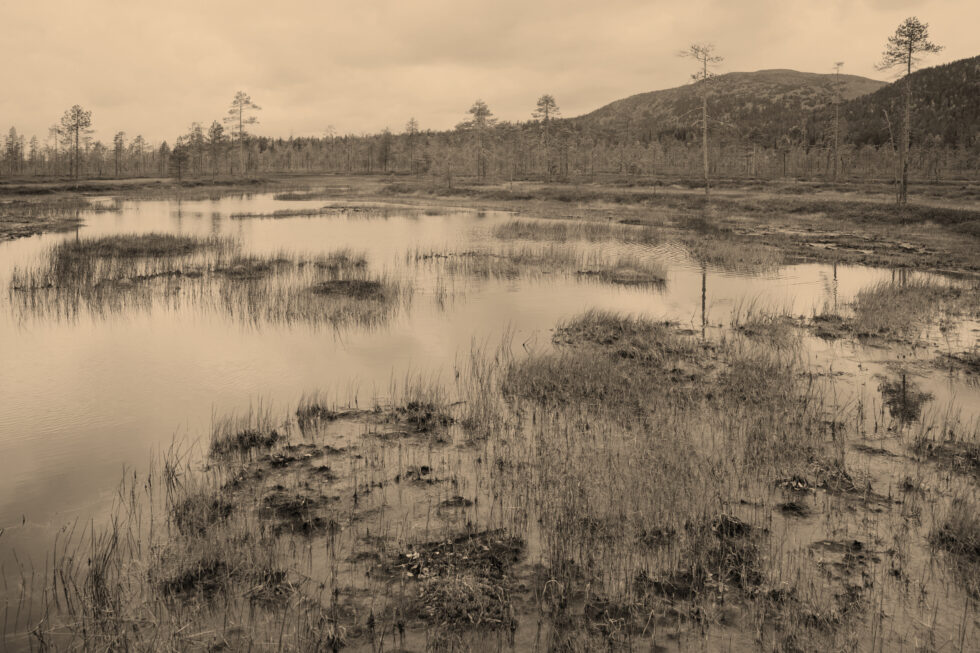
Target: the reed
(106, 276)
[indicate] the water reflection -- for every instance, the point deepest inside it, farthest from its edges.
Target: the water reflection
(903, 399)
(84, 397)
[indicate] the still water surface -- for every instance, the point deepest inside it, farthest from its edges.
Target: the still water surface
(84, 399)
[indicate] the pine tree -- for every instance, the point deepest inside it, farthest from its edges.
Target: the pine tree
(909, 40)
(238, 117)
(545, 112)
(76, 125)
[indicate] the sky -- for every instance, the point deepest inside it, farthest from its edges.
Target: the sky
(153, 68)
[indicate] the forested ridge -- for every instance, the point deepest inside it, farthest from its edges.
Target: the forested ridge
(761, 107)
(766, 124)
(946, 107)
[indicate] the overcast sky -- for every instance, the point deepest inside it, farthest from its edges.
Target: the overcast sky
(360, 65)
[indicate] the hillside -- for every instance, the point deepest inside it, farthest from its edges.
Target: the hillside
(761, 106)
(946, 100)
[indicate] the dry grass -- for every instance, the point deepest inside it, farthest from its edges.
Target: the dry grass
(90, 264)
(354, 288)
(950, 442)
(339, 300)
(353, 210)
(20, 217)
(241, 434)
(564, 231)
(153, 245)
(530, 261)
(900, 310)
(286, 213)
(111, 274)
(958, 533)
(733, 255)
(341, 260)
(464, 580)
(627, 487)
(640, 451)
(770, 324)
(330, 192)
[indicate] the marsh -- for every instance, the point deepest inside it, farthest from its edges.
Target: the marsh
(392, 424)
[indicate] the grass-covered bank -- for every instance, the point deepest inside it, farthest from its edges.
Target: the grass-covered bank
(850, 224)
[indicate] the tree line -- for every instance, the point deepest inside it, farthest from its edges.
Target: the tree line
(71, 151)
(546, 146)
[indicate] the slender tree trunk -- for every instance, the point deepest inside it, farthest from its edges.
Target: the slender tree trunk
(837, 140)
(704, 132)
(241, 141)
(547, 147)
(704, 300)
(903, 192)
(837, 123)
(896, 148)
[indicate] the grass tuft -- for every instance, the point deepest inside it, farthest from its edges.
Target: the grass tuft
(241, 434)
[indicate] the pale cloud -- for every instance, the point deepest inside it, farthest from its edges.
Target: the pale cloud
(153, 68)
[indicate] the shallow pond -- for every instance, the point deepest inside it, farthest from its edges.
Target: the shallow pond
(84, 397)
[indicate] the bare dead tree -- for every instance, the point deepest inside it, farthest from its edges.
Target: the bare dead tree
(704, 54)
(837, 100)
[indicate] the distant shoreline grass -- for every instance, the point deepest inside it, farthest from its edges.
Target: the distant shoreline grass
(518, 261)
(802, 221)
(563, 231)
(795, 222)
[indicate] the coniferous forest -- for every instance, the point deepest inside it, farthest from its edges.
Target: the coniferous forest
(767, 125)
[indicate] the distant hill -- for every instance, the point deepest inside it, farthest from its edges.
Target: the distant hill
(761, 106)
(946, 100)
